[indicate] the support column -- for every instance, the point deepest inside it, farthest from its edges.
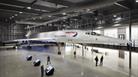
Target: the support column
(130, 44)
(82, 50)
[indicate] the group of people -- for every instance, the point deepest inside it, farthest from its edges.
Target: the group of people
(49, 62)
(101, 60)
(96, 59)
(42, 66)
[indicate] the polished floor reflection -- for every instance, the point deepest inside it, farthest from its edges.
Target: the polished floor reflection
(13, 64)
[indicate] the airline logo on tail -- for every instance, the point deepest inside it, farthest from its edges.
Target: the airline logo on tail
(71, 34)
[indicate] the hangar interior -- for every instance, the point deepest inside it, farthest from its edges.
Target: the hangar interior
(113, 18)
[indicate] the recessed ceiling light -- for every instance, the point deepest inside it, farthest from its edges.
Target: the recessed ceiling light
(117, 25)
(16, 15)
(114, 15)
(49, 16)
(95, 18)
(118, 18)
(99, 27)
(88, 10)
(20, 12)
(136, 0)
(40, 17)
(64, 13)
(12, 16)
(64, 25)
(50, 24)
(28, 7)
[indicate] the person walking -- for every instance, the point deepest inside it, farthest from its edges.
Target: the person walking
(96, 60)
(42, 70)
(74, 54)
(101, 60)
(48, 60)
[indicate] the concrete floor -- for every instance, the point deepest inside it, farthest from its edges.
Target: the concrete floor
(13, 64)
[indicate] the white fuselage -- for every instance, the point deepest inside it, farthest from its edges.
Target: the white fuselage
(79, 36)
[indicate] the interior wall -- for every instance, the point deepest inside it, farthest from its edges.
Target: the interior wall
(113, 32)
(134, 34)
(11, 31)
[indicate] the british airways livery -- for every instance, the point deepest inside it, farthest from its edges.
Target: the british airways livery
(73, 36)
(77, 36)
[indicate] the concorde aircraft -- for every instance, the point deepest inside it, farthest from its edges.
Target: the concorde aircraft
(75, 36)
(79, 36)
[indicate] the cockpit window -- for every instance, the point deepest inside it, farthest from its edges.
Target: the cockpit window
(92, 33)
(87, 33)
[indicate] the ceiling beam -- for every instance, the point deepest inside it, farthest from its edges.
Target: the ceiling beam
(26, 22)
(123, 6)
(18, 3)
(45, 23)
(92, 6)
(61, 2)
(20, 9)
(14, 11)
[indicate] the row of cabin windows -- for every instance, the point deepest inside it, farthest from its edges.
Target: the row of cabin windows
(92, 33)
